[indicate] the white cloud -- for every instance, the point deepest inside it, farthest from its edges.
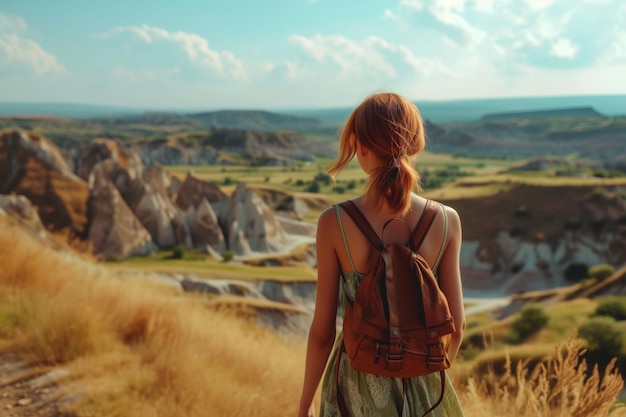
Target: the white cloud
(539, 4)
(390, 15)
(446, 12)
(414, 5)
(294, 71)
(12, 23)
(353, 58)
(16, 50)
(564, 48)
(419, 65)
(484, 6)
(222, 63)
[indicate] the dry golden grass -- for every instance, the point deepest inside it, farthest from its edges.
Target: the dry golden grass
(561, 386)
(141, 348)
(137, 348)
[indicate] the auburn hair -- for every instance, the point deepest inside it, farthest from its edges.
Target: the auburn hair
(391, 127)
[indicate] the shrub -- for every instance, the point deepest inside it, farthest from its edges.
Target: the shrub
(597, 225)
(604, 339)
(323, 178)
(228, 255)
(516, 231)
(531, 319)
(573, 223)
(601, 271)
(178, 252)
(314, 187)
(576, 272)
(476, 340)
(522, 212)
(612, 307)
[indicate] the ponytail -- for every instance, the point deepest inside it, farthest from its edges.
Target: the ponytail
(393, 184)
(391, 127)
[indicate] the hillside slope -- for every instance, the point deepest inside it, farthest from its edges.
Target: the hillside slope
(521, 237)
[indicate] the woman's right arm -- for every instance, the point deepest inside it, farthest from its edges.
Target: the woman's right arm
(323, 328)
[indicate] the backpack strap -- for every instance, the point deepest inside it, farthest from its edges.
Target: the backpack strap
(359, 219)
(343, 235)
(445, 238)
(424, 223)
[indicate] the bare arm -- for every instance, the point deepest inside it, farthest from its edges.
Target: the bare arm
(323, 329)
(450, 280)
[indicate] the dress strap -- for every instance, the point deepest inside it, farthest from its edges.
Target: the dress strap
(343, 235)
(445, 236)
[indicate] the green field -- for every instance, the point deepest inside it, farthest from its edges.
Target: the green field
(203, 266)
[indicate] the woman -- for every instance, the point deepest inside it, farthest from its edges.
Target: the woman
(385, 133)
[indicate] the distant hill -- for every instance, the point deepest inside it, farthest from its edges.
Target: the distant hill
(544, 114)
(567, 130)
(257, 120)
(435, 111)
(474, 109)
(596, 138)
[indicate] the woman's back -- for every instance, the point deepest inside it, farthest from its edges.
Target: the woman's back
(397, 231)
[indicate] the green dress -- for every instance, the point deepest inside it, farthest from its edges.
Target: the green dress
(368, 395)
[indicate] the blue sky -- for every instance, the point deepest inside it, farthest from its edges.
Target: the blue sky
(210, 54)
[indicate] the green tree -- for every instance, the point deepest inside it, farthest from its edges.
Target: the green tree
(178, 252)
(314, 187)
(612, 307)
(228, 255)
(603, 337)
(531, 319)
(601, 272)
(576, 272)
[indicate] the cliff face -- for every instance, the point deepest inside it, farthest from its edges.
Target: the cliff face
(525, 237)
(33, 166)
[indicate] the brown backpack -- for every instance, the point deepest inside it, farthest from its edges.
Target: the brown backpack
(399, 324)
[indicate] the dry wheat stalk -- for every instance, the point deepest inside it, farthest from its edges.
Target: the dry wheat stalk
(557, 387)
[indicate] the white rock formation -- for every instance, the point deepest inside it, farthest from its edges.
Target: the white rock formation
(205, 230)
(114, 231)
(21, 209)
(251, 224)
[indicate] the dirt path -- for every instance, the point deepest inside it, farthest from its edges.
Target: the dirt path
(26, 391)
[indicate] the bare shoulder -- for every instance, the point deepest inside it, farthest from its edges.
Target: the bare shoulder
(454, 220)
(327, 219)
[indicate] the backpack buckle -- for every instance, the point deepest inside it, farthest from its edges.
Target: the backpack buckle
(435, 354)
(394, 362)
(395, 356)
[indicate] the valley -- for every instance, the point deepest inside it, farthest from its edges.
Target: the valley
(206, 224)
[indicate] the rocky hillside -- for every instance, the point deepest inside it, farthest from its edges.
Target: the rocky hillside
(208, 129)
(598, 138)
(230, 146)
(122, 207)
(523, 237)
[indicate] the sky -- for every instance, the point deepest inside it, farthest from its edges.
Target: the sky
(215, 54)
